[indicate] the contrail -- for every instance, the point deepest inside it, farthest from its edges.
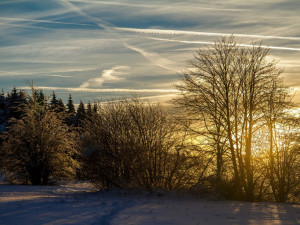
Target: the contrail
(100, 23)
(42, 21)
(113, 3)
(154, 58)
(152, 6)
(211, 43)
(196, 33)
(27, 26)
(182, 41)
(76, 89)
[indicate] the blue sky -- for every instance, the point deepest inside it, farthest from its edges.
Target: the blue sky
(104, 49)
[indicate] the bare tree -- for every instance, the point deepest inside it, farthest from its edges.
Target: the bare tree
(283, 163)
(130, 143)
(227, 87)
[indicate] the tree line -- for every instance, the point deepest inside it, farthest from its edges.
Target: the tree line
(231, 133)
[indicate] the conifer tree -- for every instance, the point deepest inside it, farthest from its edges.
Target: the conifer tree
(61, 106)
(70, 106)
(15, 103)
(12, 104)
(40, 97)
(3, 118)
(70, 112)
(95, 108)
(57, 105)
(89, 111)
(54, 101)
(2, 104)
(81, 114)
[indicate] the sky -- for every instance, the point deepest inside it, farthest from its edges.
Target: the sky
(99, 50)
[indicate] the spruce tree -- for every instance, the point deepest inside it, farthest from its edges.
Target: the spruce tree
(54, 101)
(40, 97)
(70, 112)
(70, 105)
(3, 118)
(95, 108)
(61, 106)
(57, 105)
(15, 103)
(12, 104)
(81, 114)
(89, 111)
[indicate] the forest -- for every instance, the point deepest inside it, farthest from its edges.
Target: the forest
(231, 133)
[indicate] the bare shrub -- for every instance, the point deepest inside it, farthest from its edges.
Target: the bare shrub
(130, 143)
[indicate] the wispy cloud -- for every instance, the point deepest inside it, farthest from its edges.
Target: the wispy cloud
(26, 26)
(155, 58)
(196, 33)
(112, 75)
(152, 5)
(113, 3)
(13, 19)
(59, 76)
(41, 71)
(211, 43)
(78, 43)
(104, 90)
(74, 8)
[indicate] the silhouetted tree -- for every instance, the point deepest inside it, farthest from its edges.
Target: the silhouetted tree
(95, 108)
(89, 109)
(54, 101)
(130, 143)
(226, 89)
(80, 114)
(70, 112)
(70, 105)
(15, 103)
(3, 112)
(61, 106)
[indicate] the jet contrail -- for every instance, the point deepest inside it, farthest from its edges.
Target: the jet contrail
(99, 22)
(154, 57)
(211, 43)
(27, 26)
(42, 21)
(182, 41)
(196, 33)
(152, 6)
(98, 90)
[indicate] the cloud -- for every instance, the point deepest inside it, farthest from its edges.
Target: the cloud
(103, 90)
(27, 26)
(112, 3)
(41, 21)
(110, 76)
(165, 98)
(242, 45)
(55, 40)
(59, 76)
(155, 58)
(151, 5)
(97, 21)
(42, 71)
(196, 33)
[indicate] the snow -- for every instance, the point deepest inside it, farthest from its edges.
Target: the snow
(78, 203)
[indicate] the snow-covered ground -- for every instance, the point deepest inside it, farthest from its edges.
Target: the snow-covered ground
(79, 204)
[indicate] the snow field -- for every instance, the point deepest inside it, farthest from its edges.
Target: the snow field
(80, 204)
